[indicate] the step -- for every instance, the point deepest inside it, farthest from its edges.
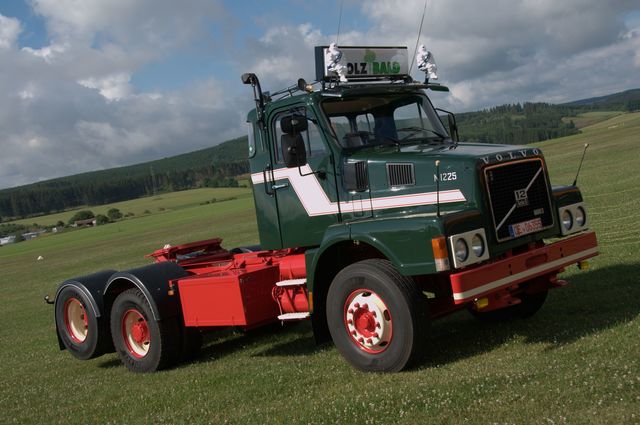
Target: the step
(292, 282)
(294, 316)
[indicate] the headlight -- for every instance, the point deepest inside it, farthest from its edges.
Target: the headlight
(461, 250)
(468, 248)
(567, 219)
(581, 217)
(477, 245)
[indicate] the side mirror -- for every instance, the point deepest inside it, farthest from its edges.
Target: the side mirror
(292, 124)
(294, 152)
(453, 127)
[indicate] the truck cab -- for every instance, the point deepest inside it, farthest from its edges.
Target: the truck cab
(370, 169)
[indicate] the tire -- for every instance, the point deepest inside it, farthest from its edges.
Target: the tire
(528, 306)
(83, 334)
(377, 318)
(142, 343)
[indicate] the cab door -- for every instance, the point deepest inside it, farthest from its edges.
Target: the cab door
(306, 196)
(261, 164)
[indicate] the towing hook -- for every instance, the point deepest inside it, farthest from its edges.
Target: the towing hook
(48, 300)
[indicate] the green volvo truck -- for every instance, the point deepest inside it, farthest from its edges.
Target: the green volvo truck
(373, 221)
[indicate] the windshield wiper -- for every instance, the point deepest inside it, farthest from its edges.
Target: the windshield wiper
(415, 130)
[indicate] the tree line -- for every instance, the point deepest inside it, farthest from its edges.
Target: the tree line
(517, 123)
(60, 194)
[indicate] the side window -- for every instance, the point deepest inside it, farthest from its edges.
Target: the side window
(340, 125)
(312, 137)
(252, 140)
(365, 123)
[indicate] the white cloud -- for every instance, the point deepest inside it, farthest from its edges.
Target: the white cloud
(48, 53)
(112, 87)
(10, 28)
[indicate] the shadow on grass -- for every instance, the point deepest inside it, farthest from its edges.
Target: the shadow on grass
(110, 363)
(225, 342)
(592, 302)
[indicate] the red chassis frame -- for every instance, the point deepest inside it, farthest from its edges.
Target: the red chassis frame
(239, 289)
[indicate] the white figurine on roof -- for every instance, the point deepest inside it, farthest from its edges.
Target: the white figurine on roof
(332, 60)
(426, 63)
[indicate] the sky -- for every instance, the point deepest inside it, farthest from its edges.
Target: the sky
(95, 84)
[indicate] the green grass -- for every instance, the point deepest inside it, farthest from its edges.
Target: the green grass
(152, 204)
(590, 118)
(577, 361)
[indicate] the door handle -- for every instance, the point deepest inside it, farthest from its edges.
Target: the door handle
(279, 186)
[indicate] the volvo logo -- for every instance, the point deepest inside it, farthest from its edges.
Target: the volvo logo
(522, 199)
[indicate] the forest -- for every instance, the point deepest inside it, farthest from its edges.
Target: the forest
(212, 167)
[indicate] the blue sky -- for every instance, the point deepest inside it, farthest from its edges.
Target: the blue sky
(94, 84)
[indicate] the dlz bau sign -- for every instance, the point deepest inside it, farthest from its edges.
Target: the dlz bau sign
(352, 63)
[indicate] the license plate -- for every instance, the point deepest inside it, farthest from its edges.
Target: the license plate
(525, 227)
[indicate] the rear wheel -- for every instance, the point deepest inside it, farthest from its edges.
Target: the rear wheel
(528, 306)
(143, 344)
(82, 333)
(376, 316)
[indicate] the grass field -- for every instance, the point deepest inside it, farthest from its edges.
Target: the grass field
(590, 118)
(577, 361)
(149, 205)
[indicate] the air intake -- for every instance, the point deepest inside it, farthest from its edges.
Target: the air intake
(401, 175)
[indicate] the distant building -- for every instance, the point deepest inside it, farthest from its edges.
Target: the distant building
(32, 235)
(85, 223)
(7, 240)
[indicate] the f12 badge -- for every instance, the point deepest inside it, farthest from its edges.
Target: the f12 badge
(522, 199)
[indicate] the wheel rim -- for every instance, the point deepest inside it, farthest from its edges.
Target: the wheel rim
(368, 321)
(135, 333)
(75, 320)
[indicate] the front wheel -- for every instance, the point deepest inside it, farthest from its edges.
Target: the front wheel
(376, 316)
(143, 344)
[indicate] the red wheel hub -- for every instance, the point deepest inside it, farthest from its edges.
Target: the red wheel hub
(365, 321)
(135, 333)
(368, 321)
(140, 332)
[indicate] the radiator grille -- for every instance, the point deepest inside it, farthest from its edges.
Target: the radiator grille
(518, 193)
(401, 174)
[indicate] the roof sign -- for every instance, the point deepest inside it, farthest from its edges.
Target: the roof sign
(360, 63)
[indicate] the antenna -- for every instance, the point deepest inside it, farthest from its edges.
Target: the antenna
(339, 22)
(586, 145)
(437, 176)
(424, 11)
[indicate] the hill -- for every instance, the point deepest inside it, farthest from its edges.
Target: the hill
(211, 167)
(628, 100)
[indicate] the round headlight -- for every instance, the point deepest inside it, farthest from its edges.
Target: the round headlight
(477, 245)
(461, 250)
(567, 219)
(581, 216)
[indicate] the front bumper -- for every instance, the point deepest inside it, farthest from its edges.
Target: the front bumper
(551, 259)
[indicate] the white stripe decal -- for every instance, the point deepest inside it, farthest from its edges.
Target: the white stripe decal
(541, 268)
(316, 202)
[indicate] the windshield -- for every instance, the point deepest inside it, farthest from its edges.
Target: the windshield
(384, 119)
